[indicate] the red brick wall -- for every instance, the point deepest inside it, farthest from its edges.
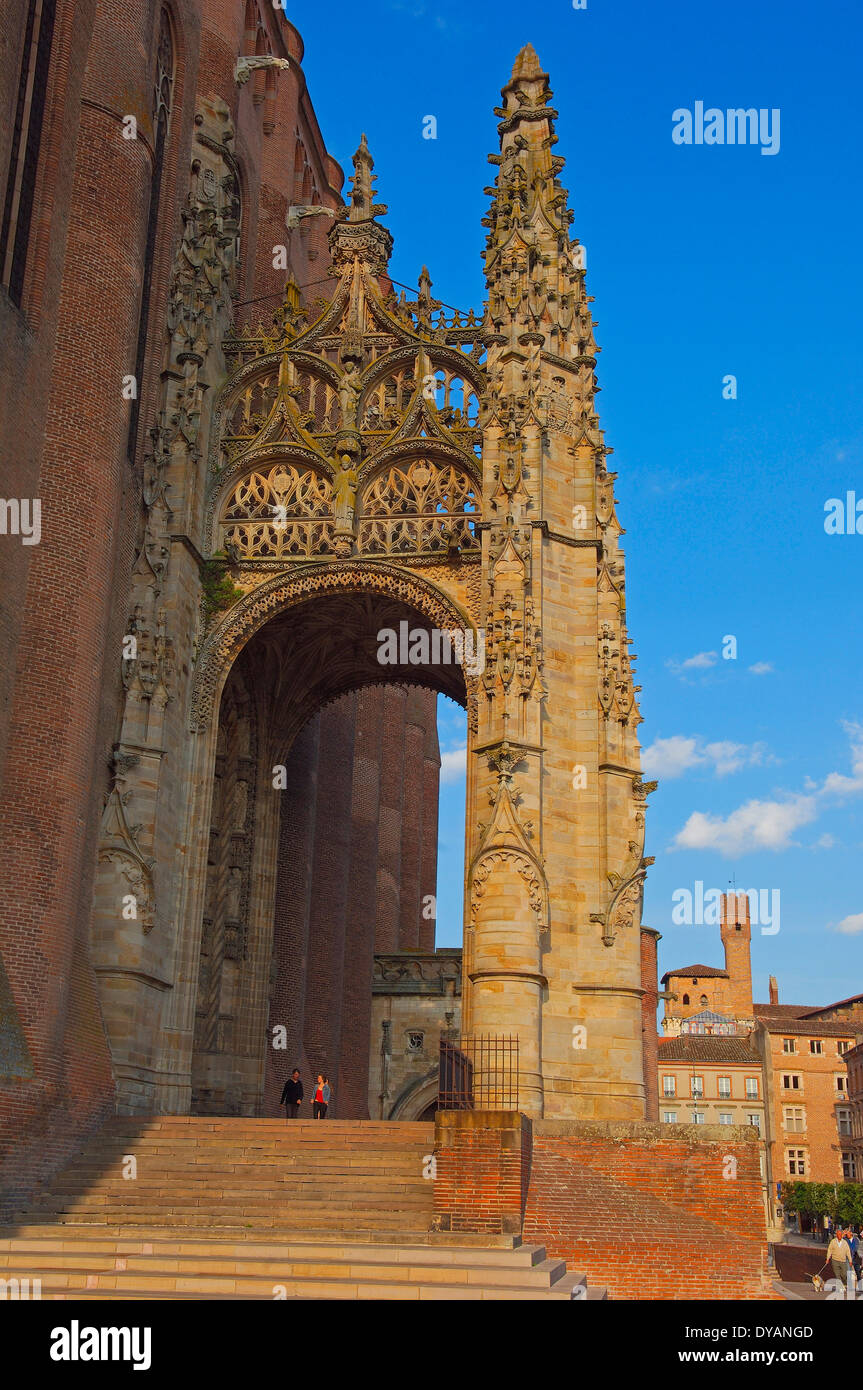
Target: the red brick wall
(650, 1214)
(63, 427)
(63, 709)
(482, 1162)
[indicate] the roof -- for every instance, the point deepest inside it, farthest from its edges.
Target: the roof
(700, 1047)
(698, 972)
(766, 1011)
(803, 1010)
(813, 1027)
(839, 1004)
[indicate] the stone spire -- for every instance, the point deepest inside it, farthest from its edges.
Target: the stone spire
(363, 180)
(534, 269)
(356, 235)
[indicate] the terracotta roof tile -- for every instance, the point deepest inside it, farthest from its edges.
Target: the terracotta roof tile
(702, 972)
(700, 1047)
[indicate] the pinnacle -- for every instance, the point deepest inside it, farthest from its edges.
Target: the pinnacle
(362, 184)
(527, 64)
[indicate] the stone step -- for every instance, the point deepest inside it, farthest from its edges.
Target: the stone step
(385, 1131)
(348, 1200)
(262, 1209)
(229, 1190)
(331, 1290)
(354, 1222)
(310, 1286)
(221, 1153)
(339, 1263)
(73, 1234)
(252, 1176)
(283, 1193)
(50, 1249)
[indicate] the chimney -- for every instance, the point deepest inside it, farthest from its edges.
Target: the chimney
(774, 990)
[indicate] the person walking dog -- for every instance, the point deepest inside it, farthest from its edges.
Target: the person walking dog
(839, 1255)
(292, 1095)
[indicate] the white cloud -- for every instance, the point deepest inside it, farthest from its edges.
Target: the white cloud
(850, 926)
(727, 757)
(453, 765)
(702, 661)
(825, 842)
(767, 824)
(753, 826)
(836, 784)
(761, 668)
(671, 757)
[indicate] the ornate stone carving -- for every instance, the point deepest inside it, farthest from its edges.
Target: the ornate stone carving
(250, 613)
(119, 846)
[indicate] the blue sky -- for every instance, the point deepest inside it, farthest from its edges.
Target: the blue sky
(704, 261)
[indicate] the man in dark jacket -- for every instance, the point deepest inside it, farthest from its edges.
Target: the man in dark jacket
(292, 1095)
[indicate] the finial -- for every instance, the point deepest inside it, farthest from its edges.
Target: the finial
(363, 206)
(527, 64)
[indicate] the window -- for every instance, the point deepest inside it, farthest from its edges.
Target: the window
(816, 1047)
(415, 1042)
(752, 1088)
(843, 1046)
(669, 1086)
(26, 139)
(704, 1001)
(754, 1118)
(793, 1119)
(726, 1117)
(843, 1120)
(849, 1170)
(686, 998)
(725, 1088)
(842, 1085)
(669, 1117)
(697, 1087)
(163, 90)
(791, 1081)
(698, 1117)
(789, 1046)
(796, 1162)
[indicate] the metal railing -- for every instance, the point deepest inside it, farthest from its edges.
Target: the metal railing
(478, 1072)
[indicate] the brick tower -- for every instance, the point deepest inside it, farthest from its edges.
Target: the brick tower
(736, 933)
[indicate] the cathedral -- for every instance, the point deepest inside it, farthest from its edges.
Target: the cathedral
(253, 454)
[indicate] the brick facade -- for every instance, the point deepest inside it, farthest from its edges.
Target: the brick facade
(648, 1214)
(64, 425)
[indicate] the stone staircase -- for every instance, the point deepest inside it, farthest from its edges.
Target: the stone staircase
(237, 1208)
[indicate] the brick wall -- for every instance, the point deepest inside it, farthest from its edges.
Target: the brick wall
(648, 1214)
(482, 1163)
(63, 429)
(82, 300)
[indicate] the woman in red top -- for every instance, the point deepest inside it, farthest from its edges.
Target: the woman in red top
(321, 1098)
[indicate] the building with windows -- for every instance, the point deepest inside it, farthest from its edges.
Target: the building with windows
(851, 1127)
(726, 1059)
(809, 1112)
(710, 1080)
